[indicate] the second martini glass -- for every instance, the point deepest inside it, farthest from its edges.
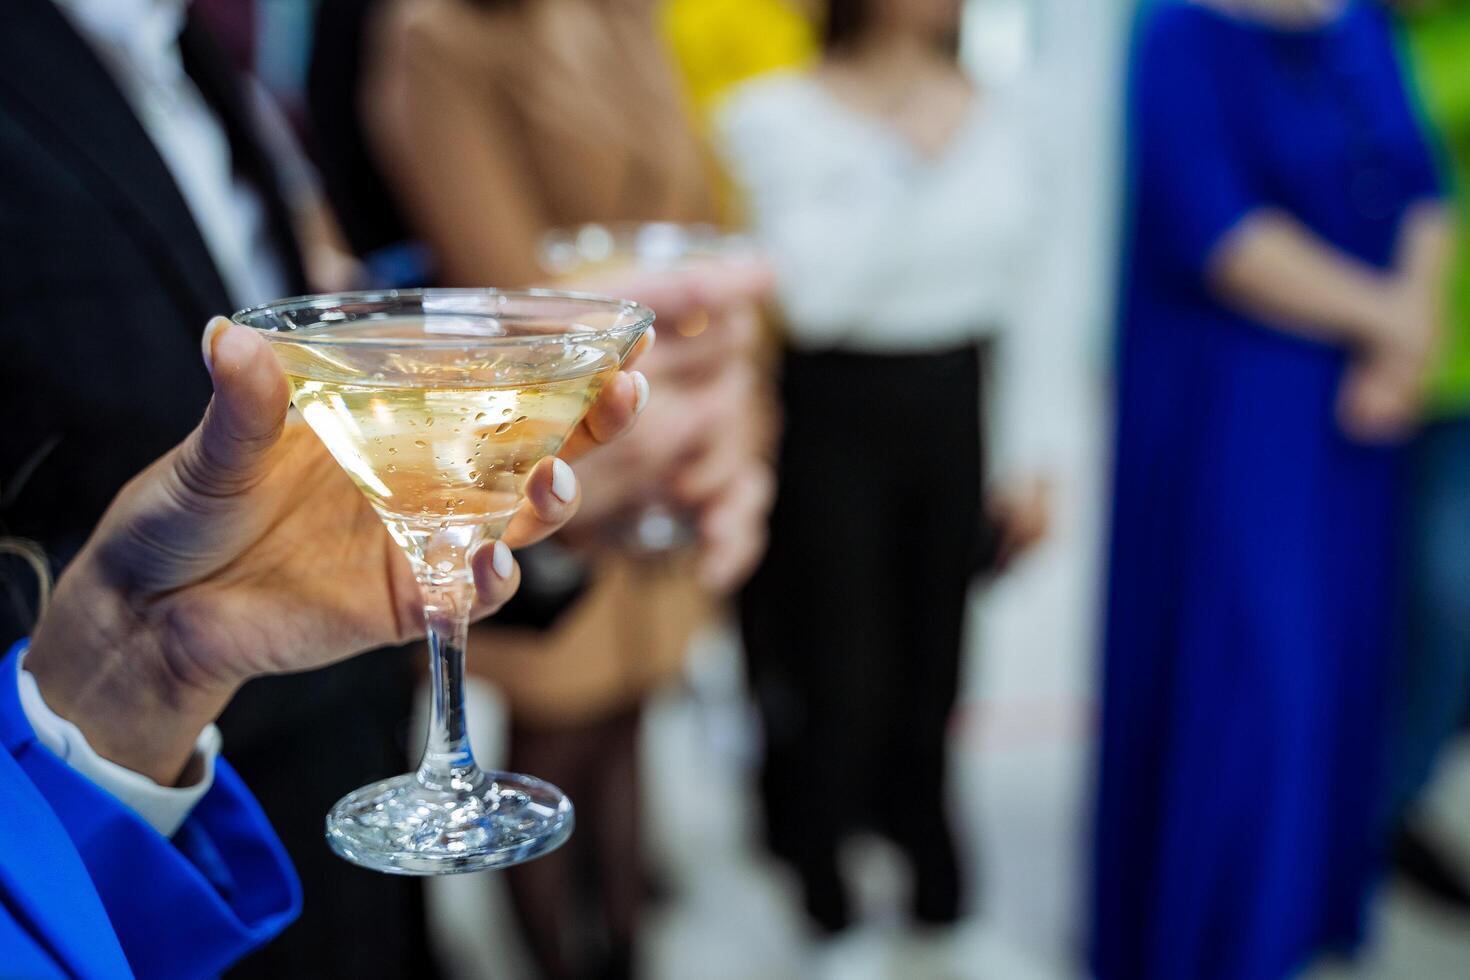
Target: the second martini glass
(438, 403)
(657, 527)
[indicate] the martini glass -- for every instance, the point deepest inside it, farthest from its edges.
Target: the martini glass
(637, 244)
(656, 527)
(438, 403)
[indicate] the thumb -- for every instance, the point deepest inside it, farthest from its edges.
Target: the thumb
(226, 453)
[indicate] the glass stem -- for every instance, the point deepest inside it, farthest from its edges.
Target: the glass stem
(448, 763)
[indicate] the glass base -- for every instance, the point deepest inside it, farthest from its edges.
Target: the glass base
(400, 826)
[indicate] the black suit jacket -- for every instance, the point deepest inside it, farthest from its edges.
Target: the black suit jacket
(105, 281)
(105, 287)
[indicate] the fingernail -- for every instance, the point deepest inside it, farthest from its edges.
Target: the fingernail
(563, 481)
(640, 388)
(652, 338)
(206, 343)
(501, 561)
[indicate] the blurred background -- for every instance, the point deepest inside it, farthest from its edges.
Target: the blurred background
(1047, 553)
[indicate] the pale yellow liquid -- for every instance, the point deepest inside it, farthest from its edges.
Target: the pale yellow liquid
(442, 441)
(434, 455)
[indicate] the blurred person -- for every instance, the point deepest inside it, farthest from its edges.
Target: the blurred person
(1433, 677)
(496, 122)
(139, 193)
(127, 846)
(897, 204)
(1280, 307)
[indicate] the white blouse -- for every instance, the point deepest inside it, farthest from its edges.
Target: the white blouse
(880, 250)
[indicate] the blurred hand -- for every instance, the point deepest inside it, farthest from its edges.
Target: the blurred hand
(245, 551)
(1022, 515)
(678, 293)
(727, 481)
(703, 443)
(330, 265)
(1381, 397)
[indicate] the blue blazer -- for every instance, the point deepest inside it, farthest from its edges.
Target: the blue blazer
(88, 889)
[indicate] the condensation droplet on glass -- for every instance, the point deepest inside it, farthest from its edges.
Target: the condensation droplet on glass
(503, 428)
(392, 467)
(392, 451)
(504, 412)
(480, 417)
(421, 444)
(429, 421)
(518, 419)
(446, 565)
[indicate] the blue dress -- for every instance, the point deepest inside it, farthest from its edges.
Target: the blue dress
(1251, 566)
(87, 889)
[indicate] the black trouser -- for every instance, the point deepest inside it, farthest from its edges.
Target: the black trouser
(853, 624)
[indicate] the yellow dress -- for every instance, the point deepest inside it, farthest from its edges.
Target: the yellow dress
(719, 43)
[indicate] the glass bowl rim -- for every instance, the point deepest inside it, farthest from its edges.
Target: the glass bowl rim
(702, 239)
(704, 231)
(642, 317)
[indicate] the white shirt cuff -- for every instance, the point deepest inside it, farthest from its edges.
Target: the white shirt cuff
(164, 808)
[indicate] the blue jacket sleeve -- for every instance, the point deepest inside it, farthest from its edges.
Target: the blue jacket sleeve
(185, 907)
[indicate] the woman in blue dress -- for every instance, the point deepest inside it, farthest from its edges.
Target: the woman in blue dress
(1283, 262)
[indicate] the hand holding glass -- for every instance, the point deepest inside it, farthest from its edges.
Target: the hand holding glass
(438, 403)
